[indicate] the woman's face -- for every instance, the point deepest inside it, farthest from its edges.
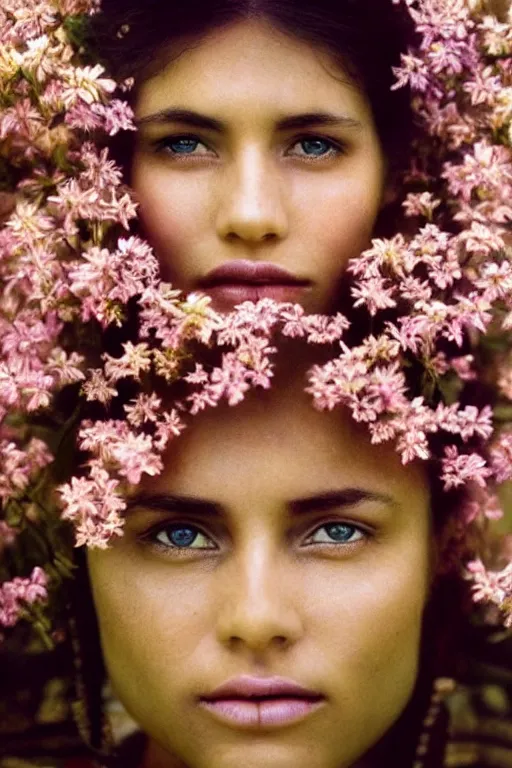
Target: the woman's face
(256, 151)
(277, 543)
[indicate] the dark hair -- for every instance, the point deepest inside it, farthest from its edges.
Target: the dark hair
(364, 37)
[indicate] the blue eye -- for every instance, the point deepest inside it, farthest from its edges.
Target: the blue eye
(180, 145)
(336, 533)
(180, 536)
(184, 145)
(317, 147)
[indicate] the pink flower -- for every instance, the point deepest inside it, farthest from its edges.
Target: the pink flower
(481, 240)
(97, 387)
(198, 375)
(99, 437)
(99, 171)
(168, 426)
(375, 348)
(23, 121)
(459, 469)
(413, 424)
(414, 290)
(392, 254)
(501, 457)
(94, 505)
(485, 87)
(293, 319)
(413, 71)
(19, 466)
(324, 329)
(420, 204)
(463, 366)
(375, 293)
(135, 361)
(481, 503)
(449, 57)
(496, 280)
(415, 333)
(472, 312)
(491, 586)
(144, 408)
(117, 116)
(386, 388)
(496, 36)
(467, 422)
(14, 594)
(86, 84)
(66, 369)
(83, 116)
(486, 170)
(29, 224)
(135, 456)
(338, 381)
(120, 208)
(412, 445)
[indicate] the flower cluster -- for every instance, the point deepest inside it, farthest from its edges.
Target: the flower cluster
(18, 594)
(82, 412)
(122, 450)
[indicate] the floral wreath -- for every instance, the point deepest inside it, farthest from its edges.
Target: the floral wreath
(433, 373)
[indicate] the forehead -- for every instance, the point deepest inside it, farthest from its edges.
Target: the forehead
(279, 449)
(245, 64)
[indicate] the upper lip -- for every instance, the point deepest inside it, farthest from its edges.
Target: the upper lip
(256, 273)
(246, 686)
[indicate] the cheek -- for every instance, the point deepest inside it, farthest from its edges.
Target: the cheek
(150, 616)
(175, 211)
(148, 624)
(367, 629)
(338, 217)
(371, 616)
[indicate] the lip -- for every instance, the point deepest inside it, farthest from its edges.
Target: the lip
(243, 280)
(226, 297)
(254, 702)
(251, 273)
(246, 686)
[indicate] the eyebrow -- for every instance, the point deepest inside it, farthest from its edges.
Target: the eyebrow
(189, 117)
(348, 497)
(324, 502)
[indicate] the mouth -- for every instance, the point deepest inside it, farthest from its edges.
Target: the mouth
(227, 296)
(255, 703)
(238, 281)
(270, 712)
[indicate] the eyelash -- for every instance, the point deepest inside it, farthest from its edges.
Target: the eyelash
(150, 537)
(336, 148)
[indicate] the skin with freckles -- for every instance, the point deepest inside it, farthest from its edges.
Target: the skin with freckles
(311, 562)
(279, 161)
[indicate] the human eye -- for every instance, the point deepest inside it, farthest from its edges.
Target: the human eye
(318, 148)
(179, 537)
(337, 533)
(182, 145)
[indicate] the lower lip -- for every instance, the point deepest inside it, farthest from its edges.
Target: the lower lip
(231, 294)
(268, 713)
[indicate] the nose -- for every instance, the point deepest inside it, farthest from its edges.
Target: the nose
(251, 203)
(258, 610)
